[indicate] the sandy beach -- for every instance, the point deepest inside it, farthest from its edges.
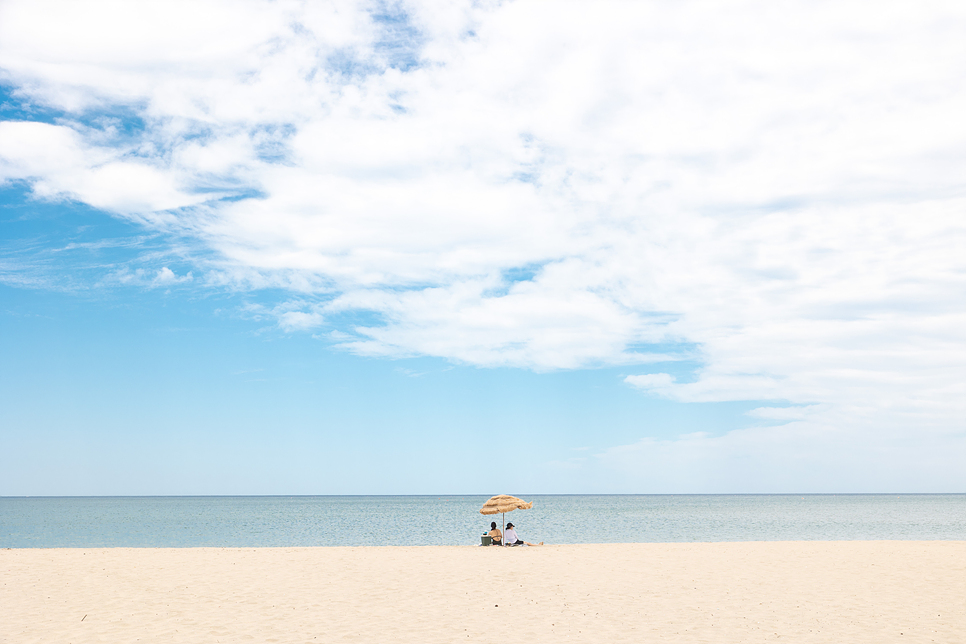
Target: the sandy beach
(882, 591)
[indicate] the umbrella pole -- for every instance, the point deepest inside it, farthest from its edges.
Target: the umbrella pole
(504, 528)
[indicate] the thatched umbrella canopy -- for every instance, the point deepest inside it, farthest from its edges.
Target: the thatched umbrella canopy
(502, 503)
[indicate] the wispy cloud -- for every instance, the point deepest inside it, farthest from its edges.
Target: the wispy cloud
(783, 413)
(162, 277)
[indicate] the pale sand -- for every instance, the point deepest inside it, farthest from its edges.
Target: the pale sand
(843, 592)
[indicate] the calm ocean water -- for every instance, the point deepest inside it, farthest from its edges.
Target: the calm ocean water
(48, 522)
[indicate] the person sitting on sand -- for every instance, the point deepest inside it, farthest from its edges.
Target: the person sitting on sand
(495, 534)
(511, 538)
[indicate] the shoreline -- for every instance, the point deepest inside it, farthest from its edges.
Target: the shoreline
(856, 591)
(450, 545)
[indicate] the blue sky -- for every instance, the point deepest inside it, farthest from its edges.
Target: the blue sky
(416, 247)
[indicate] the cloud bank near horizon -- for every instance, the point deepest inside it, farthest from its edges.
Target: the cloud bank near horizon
(778, 188)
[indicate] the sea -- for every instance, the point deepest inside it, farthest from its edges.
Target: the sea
(261, 521)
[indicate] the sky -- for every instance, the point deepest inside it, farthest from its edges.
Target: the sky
(482, 247)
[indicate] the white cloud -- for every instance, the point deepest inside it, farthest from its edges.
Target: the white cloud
(782, 413)
(299, 320)
(62, 164)
(653, 382)
(162, 277)
(777, 188)
(166, 276)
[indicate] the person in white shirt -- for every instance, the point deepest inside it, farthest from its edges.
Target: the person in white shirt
(510, 538)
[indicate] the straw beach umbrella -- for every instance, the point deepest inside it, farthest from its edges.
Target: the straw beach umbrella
(502, 503)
